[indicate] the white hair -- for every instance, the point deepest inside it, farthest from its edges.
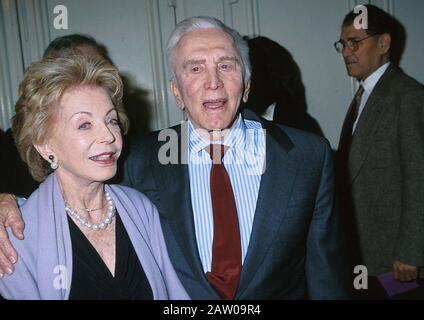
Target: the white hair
(205, 22)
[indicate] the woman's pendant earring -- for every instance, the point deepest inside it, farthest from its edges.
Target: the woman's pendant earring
(53, 164)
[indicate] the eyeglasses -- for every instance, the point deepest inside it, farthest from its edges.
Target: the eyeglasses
(352, 44)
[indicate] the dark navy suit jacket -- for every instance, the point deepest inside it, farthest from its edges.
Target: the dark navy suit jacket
(295, 246)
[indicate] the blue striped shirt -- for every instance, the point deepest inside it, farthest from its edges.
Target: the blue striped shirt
(244, 161)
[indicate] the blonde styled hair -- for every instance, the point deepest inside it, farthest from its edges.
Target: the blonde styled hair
(40, 91)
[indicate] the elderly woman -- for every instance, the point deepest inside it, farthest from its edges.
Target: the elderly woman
(84, 239)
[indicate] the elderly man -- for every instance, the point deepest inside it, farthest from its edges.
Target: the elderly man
(246, 205)
(381, 151)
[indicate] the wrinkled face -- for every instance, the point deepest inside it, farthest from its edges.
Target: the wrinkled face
(86, 139)
(371, 54)
(208, 80)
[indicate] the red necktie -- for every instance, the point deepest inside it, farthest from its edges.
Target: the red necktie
(226, 250)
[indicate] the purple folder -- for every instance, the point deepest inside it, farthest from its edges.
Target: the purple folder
(393, 286)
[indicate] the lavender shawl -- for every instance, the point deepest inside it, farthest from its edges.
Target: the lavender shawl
(44, 267)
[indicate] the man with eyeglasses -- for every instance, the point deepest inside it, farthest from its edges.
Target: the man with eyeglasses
(380, 159)
(231, 233)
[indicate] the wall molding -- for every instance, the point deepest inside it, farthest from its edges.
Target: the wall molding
(24, 33)
(254, 18)
(227, 10)
(161, 118)
(34, 29)
(11, 65)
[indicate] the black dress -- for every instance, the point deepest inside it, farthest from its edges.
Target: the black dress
(91, 279)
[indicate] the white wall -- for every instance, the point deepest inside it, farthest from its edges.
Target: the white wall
(122, 26)
(308, 30)
(135, 33)
(410, 13)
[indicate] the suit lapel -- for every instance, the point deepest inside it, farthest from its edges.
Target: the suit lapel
(272, 202)
(173, 185)
(368, 123)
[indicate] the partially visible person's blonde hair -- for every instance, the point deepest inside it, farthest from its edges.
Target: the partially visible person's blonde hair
(40, 91)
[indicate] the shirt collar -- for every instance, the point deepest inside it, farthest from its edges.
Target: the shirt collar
(236, 137)
(370, 82)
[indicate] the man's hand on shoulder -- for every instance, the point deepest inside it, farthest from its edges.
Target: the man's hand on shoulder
(10, 216)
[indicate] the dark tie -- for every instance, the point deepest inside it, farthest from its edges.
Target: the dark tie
(347, 135)
(351, 116)
(226, 249)
(343, 179)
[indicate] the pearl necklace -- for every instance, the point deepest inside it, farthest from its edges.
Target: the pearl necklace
(95, 226)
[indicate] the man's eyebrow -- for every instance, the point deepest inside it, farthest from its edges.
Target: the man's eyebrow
(229, 58)
(191, 62)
